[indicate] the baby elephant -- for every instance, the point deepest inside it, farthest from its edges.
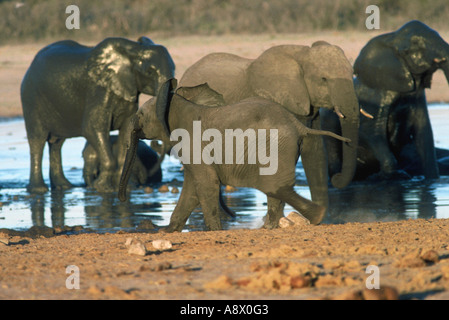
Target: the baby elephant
(214, 152)
(146, 170)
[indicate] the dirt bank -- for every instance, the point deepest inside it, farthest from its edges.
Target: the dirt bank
(15, 59)
(310, 262)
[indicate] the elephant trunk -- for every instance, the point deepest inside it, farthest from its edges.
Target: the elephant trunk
(445, 68)
(130, 158)
(346, 106)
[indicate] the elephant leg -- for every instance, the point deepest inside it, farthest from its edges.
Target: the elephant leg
(57, 178)
(423, 137)
(274, 214)
(314, 161)
(108, 165)
(36, 184)
(187, 202)
(310, 210)
(207, 187)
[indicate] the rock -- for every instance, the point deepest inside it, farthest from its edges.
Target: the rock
(293, 219)
(148, 190)
(4, 241)
(174, 190)
(162, 244)
(136, 247)
(297, 218)
(163, 188)
(430, 256)
(128, 241)
(285, 223)
(384, 293)
(298, 282)
(230, 189)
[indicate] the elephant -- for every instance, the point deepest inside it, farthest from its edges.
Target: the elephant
(146, 170)
(303, 79)
(170, 117)
(392, 72)
(72, 90)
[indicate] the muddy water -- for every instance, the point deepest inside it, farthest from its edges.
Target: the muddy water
(359, 202)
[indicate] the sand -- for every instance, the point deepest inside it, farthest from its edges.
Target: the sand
(408, 259)
(15, 59)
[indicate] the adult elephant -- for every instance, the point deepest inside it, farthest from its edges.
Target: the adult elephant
(72, 90)
(302, 79)
(392, 72)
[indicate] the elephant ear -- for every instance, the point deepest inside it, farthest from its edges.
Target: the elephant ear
(276, 75)
(202, 95)
(163, 101)
(110, 67)
(380, 66)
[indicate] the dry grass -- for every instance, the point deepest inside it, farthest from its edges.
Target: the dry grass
(185, 50)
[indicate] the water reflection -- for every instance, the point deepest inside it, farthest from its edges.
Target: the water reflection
(383, 201)
(359, 202)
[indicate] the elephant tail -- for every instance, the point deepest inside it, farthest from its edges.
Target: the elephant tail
(326, 133)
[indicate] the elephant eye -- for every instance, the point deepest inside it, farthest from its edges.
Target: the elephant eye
(324, 79)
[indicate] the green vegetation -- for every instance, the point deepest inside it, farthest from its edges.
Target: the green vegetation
(38, 19)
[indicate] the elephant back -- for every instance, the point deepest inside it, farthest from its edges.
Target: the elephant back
(224, 73)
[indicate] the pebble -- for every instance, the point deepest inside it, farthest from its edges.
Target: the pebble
(430, 256)
(230, 189)
(136, 247)
(148, 190)
(162, 244)
(163, 188)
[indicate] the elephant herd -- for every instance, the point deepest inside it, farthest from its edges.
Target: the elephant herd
(369, 120)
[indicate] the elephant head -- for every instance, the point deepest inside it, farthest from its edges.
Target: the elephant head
(147, 125)
(129, 68)
(403, 61)
(303, 79)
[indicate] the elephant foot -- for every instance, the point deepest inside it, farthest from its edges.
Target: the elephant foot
(315, 214)
(65, 185)
(37, 188)
(268, 224)
(170, 229)
(271, 220)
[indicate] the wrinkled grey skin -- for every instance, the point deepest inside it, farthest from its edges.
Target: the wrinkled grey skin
(392, 71)
(146, 169)
(302, 79)
(157, 119)
(71, 90)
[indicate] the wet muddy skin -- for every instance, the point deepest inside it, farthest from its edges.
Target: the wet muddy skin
(359, 202)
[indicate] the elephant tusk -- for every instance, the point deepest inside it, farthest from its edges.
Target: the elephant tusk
(338, 112)
(438, 61)
(366, 114)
